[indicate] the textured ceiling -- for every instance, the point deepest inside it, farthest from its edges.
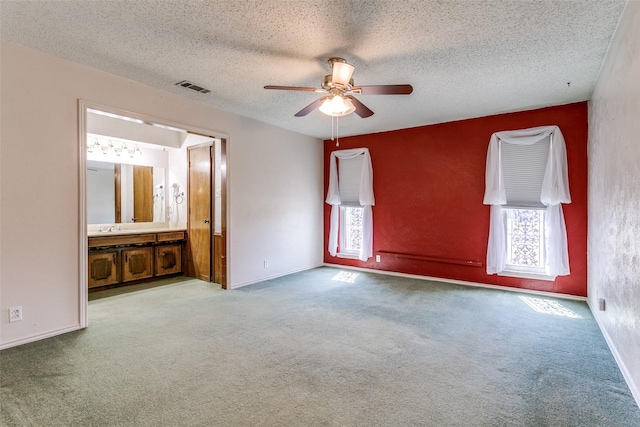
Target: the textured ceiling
(464, 58)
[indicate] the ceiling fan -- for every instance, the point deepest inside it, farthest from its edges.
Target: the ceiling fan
(340, 89)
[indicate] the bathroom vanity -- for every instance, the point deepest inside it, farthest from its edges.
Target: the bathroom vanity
(118, 257)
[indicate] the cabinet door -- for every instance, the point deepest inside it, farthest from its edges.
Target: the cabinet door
(103, 268)
(137, 263)
(168, 259)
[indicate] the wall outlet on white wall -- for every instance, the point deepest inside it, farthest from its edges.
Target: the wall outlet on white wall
(602, 304)
(266, 263)
(15, 314)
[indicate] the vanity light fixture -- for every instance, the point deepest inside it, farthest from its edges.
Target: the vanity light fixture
(133, 150)
(92, 146)
(108, 147)
(117, 148)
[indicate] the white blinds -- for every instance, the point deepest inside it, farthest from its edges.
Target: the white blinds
(349, 177)
(523, 171)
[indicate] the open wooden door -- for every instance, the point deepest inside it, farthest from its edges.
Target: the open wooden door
(199, 199)
(207, 226)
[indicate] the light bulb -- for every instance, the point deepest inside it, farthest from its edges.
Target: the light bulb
(337, 106)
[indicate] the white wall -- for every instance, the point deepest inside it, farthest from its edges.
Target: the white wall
(275, 186)
(614, 196)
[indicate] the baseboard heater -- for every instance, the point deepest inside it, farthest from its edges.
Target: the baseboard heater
(469, 263)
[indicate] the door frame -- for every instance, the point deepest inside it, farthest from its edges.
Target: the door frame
(83, 244)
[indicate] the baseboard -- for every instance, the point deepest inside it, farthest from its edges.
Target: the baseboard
(461, 282)
(39, 337)
(635, 390)
(275, 276)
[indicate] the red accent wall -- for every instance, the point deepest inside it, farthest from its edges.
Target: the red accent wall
(429, 186)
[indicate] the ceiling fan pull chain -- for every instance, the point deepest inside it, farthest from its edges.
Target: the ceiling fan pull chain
(337, 132)
(332, 138)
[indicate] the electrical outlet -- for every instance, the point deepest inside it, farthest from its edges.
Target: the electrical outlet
(377, 258)
(266, 263)
(602, 304)
(15, 314)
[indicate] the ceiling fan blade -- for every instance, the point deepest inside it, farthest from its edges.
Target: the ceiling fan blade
(383, 90)
(361, 109)
(309, 108)
(304, 89)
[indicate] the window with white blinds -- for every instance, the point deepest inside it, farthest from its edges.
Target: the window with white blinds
(349, 176)
(523, 169)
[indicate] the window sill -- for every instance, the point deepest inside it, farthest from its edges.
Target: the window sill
(527, 275)
(348, 255)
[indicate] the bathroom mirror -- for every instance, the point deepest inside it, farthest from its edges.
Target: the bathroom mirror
(124, 193)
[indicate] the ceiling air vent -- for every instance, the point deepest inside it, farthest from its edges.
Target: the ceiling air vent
(189, 85)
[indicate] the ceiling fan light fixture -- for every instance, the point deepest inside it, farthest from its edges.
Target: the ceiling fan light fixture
(342, 73)
(337, 106)
(339, 88)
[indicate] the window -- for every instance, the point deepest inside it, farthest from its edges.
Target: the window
(525, 240)
(526, 184)
(523, 173)
(351, 231)
(350, 195)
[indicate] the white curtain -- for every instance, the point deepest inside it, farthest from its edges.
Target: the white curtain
(366, 200)
(555, 190)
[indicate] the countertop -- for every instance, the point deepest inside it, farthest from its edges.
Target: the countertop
(133, 231)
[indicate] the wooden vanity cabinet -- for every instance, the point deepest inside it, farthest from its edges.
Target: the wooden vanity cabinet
(137, 263)
(168, 259)
(116, 259)
(103, 268)
(172, 236)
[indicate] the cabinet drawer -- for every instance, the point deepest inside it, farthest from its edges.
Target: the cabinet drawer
(168, 259)
(171, 237)
(137, 263)
(134, 239)
(103, 268)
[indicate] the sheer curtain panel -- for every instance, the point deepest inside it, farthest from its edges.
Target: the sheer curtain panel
(346, 186)
(539, 156)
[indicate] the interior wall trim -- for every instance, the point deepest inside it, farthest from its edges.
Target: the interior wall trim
(455, 261)
(38, 337)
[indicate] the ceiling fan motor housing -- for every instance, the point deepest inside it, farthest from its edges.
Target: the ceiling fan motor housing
(328, 84)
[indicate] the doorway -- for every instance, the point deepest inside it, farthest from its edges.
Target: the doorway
(179, 145)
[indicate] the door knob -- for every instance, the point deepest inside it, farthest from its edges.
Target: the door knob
(206, 221)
